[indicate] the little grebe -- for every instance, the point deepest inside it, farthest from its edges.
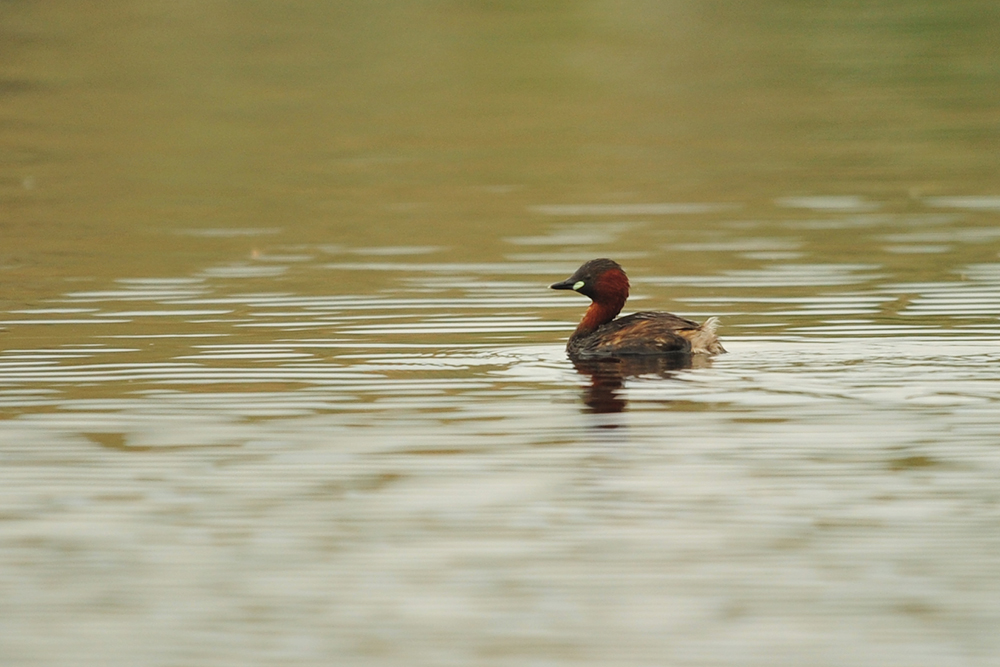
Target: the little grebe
(648, 333)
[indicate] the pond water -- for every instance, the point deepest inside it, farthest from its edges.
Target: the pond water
(281, 380)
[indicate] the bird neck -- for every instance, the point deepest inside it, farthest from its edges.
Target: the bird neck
(600, 312)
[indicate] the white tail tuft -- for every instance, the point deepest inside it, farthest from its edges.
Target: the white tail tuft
(705, 341)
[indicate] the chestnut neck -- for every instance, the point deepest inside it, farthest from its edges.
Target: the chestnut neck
(610, 294)
(599, 313)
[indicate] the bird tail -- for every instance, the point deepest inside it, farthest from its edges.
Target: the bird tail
(706, 340)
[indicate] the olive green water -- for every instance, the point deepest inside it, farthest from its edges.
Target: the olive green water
(281, 381)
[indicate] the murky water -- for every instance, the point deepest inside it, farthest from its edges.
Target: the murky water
(281, 380)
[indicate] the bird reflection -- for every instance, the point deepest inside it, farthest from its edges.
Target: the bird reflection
(607, 377)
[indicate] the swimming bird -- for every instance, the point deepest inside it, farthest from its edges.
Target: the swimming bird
(600, 335)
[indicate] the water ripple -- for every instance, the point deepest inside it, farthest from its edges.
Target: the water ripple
(669, 208)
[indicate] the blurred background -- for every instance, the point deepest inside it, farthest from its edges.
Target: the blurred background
(342, 123)
(280, 379)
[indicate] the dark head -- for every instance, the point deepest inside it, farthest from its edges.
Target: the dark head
(605, 282)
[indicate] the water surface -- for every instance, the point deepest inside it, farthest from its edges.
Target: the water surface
(281, 380)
